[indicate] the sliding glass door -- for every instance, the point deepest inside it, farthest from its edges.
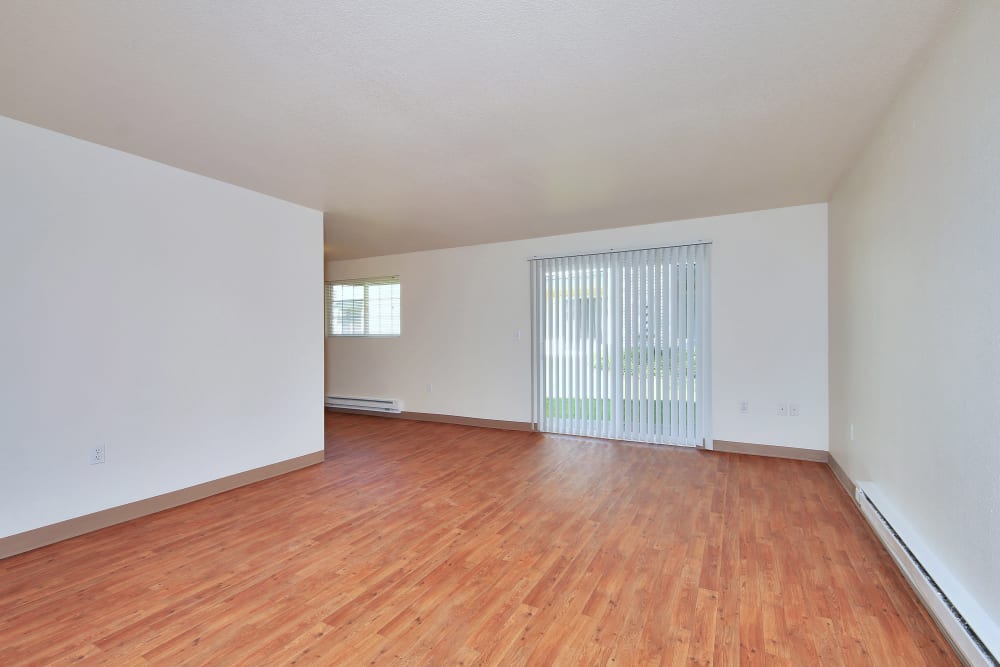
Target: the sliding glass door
(620, 344)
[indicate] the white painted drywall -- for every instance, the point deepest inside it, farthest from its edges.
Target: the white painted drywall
(171, 317)
(915, 305)
(419, 125)
(462, 310)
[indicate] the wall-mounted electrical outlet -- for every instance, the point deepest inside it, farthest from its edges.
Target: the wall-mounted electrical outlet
(744, 407)
(852, 432)
(97, 455)
(793, 409)
(430, 387)
(782, 409)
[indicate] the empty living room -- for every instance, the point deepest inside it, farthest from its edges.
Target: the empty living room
(500, 333)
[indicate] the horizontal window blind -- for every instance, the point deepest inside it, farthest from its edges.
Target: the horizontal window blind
(620, 344)
(363, 307)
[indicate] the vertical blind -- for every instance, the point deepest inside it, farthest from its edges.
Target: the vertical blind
(620, 344)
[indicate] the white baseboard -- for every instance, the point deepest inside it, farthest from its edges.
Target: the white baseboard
(970, 630)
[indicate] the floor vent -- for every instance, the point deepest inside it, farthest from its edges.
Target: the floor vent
(367, 404)
(974, 648)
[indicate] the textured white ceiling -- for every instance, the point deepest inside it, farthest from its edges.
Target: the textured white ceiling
(429, 124)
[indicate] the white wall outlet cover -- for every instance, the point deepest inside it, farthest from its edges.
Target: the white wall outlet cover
(793, 409)
(782, 410)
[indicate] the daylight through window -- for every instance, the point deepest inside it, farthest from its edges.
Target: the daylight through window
(367, 307)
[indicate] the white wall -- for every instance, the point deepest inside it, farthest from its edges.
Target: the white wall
(173, 318)
(915, 305)
(462, 309)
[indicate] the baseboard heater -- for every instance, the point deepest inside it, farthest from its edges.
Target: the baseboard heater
(969, 629)
(367, 404)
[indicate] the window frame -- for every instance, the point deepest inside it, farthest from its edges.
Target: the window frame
(366, 301)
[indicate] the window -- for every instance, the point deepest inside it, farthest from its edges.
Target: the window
(368, 307)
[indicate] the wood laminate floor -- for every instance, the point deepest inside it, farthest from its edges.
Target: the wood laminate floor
(421, 543)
